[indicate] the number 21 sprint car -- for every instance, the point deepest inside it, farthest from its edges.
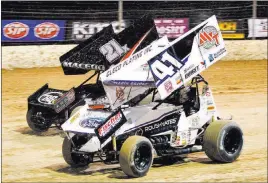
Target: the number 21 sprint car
(184, 120)
(49, 106)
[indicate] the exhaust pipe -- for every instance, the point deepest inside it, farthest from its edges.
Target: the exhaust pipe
(184, 151)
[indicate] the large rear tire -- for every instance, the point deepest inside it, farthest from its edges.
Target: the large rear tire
(136, 156)
(223, 141)
(37, 124)
(74, 159)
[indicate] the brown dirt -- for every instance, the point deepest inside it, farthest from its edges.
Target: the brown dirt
(240, 89)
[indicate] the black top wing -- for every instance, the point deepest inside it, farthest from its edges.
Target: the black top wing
(106, 48)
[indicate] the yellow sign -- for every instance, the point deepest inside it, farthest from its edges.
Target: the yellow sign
(233, 36)
(228, 26)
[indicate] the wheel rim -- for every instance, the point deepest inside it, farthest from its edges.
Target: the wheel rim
(232, 141)
(39, 121)
(142, 157)
(79, 159)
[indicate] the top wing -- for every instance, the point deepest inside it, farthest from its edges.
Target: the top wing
(187, 57)
(106, 48)
(171, 64)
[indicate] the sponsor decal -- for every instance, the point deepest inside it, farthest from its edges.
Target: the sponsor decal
(210, 57)
(219, 53)
(172, 27)
(188, 68)
(104, 129)
(83, 66)
(128, 83)
(74, 117)
(160, 124)
(129, 60)
(209, 102)
(208, 37)
(139, 132)
(49, 98)
(16, 30)
(113, 50)
(178, 79)
(168, 86)
(211, 108)
(195, 121)
(191, 72)
(64, 101)
(46, 30)
(91, 122)
(120, 94)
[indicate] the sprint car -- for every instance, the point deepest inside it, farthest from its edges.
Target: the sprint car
(180, 118)
(49, 106)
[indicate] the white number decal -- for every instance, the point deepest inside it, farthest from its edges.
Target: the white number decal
(161, 70)
(112, 50)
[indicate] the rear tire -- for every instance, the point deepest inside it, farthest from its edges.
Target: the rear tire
(136, 156)
(74, 159)
(223, 141)
(34, 124)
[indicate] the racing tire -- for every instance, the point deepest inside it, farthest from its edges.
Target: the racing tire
(73, 159)
(136, 156)
(223, 141)
(34, 125)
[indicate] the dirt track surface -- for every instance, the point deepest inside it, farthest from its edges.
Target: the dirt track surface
(240, 89)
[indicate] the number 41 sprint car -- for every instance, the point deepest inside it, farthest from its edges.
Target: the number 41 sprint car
(180, 118)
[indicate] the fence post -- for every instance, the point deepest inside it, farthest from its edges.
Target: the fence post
(254, 15)
(120, 13)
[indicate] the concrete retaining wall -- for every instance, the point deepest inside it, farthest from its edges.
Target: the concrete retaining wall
(48, 55)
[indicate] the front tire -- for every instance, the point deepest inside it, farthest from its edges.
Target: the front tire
(136, 156)
(37, 123)
(223, 141)
(74, 159)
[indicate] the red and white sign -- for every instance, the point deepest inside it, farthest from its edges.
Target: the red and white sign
(104, 129)
(172, 27)
(16, 30)
(46, 30)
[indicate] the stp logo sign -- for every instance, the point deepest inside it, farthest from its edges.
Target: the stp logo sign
(46, 30)
(15, 30)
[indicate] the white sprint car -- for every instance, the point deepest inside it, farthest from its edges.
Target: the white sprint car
(180, 118)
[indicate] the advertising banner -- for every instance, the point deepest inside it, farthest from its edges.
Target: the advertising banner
(171, 27)
(259, 29)
(32, 30)
(232, 29)
(83, 29)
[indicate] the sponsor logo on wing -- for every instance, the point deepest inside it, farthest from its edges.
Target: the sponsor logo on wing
(168, 86)
(192, 72)
(160, 124)
(16, 30)
(120, 94)
(208, 37)
(49, 98)
(83, 66)
(114, 120)
(133, 49)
